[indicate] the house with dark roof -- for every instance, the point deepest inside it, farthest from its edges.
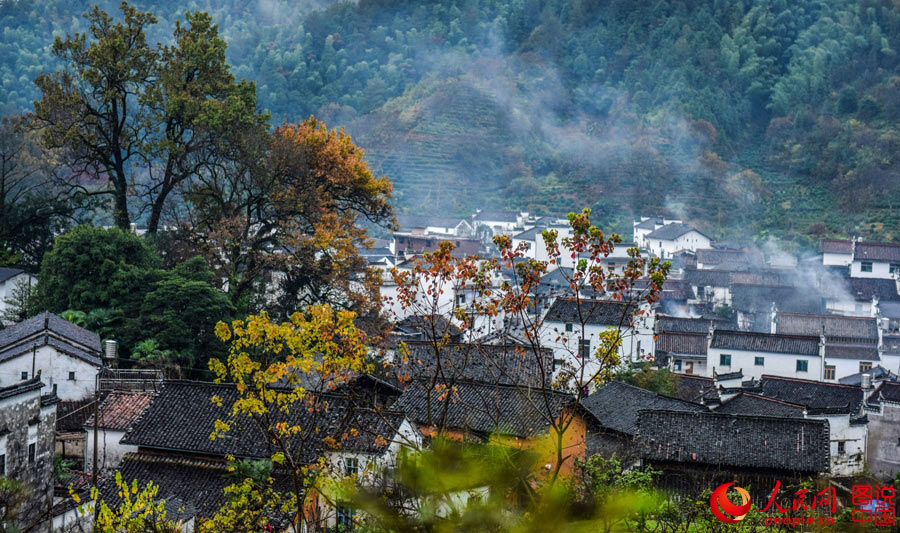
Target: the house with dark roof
(511, 364)
(851, 343)
(117, 412)
(836, 252)
(435, 225)
(841, 405)
(702, 450)
(756, 354)
(645, 226)
(522, 415)
(883, 412)
(27, 427)
(616, 406)
(875, 260)
(489, 223)
(67, 356)
(575, 328)
(710, 287)
(682, 352)
(671, 238)
(754, 304)
(729, 259)
(172, 439)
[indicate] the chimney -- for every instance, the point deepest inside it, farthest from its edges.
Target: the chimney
(772, 315)
(866, 381)
(110, 353)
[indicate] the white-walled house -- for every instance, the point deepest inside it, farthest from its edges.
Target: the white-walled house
(489, 223)
(852, 344)
(572, 330)
(837, 252)
(756, 354)
(875, 260)
(10, 279)
(645, 226)
(66, 356)
(116, 413)
(434, 225)
(537, 249)
(667, 240)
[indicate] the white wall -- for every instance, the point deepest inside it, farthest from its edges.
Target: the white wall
(845, 367)
(880, 270)
(774, 364)
(691, 240)
(54, 367)
(853, 460)
(109, 448)
(835, 259)
(698, 366)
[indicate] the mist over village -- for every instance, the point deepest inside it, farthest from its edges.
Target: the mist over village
(500, 266)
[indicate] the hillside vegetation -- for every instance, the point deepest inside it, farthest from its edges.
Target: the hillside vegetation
(750, 118)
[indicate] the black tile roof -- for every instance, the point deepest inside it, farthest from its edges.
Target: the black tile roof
(21, 387)
(71, 415)
(863, 289)
(512, 364)
(759, 298)
(836, 246)
(877, 251)
(6, 273)
(670, 232)
(730, 259)
(53, 323)
(497, 215)
(692, 388)
(483, 408)
(418, 221)
(530, 234)
(891, 344)
(616, 405)
(877, 372)
(594, 312)
(765, 342)
(182, 416)
(672, 324)
(650, 223)
(190, 487)
(732, 441)
(835, 327)
(682, 343)
(816, 396)
(708, 277)
(843, 350)
(887, 391)
(753, 404)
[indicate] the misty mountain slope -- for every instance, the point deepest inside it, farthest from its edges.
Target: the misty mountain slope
(749, 117)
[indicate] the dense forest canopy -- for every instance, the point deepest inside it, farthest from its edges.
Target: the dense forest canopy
(751, 117)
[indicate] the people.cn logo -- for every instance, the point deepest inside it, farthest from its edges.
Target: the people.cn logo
(720, 504)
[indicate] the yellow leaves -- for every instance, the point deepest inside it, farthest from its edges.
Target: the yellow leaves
(380, 441)
(223, 333)
(278, 458)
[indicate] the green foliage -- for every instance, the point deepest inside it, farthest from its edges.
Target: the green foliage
(13, 498)
(646, 376)
(23, 302)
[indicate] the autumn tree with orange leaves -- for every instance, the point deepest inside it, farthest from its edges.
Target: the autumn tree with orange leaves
(283, 225)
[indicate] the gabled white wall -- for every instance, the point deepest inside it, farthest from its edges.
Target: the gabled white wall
(54, 367)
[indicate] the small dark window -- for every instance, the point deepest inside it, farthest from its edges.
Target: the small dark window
(829, 372)
(865, 367)
(345, 517)
(24, 375)
(759, 361)
(898, 443)
(677, 365)
(352, 466)
(31, 453)
(866, 266)
(842, 448)
(71, 376)
(802, 365)
(895, 268)
(585, 348)
(568, 326)
(725, 359)
(3, 464)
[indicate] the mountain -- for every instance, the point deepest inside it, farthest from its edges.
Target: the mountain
(750, 118)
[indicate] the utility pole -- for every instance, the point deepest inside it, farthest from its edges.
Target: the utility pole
(96, 425)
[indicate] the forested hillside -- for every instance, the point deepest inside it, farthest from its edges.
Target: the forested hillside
(748, 117)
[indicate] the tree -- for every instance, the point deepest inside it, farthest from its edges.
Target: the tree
(289, 220)
(133, 118)
(23, 302)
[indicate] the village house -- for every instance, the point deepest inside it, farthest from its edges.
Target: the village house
(27, 427)
(576, 330)
(434, 225)
(729, 259)
(117, 411)
(682, 342)
(756, 354)
(840, 405)
(836, 252)
(512, 364)
(709, 287)
(537, 249)
(490, 223)
(616, 406)
(172, 438)
(883, 411)
(698, 451)
(10, 279)
(851, 343)
(66, 356)
(671, 238)
(875, 260)
(754, 303)
(519, 415)
(406, 244)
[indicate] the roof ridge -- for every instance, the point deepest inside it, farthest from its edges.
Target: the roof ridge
(761, 334)
(785, 378)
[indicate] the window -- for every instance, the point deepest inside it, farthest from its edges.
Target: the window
(898, 444)
(351, 465)
(24, 375)
(865, 366)
(568, 326)
(802, 365)
(678, 365)
(842, 448)
(3, 464)
(759, 361)
(71, 376)
(585, 348)
(460, 299)
(345, 517)
(829, 372)
(700, 292)
(895, 268)
(866, 266)
(725, 359)
(31, 453)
